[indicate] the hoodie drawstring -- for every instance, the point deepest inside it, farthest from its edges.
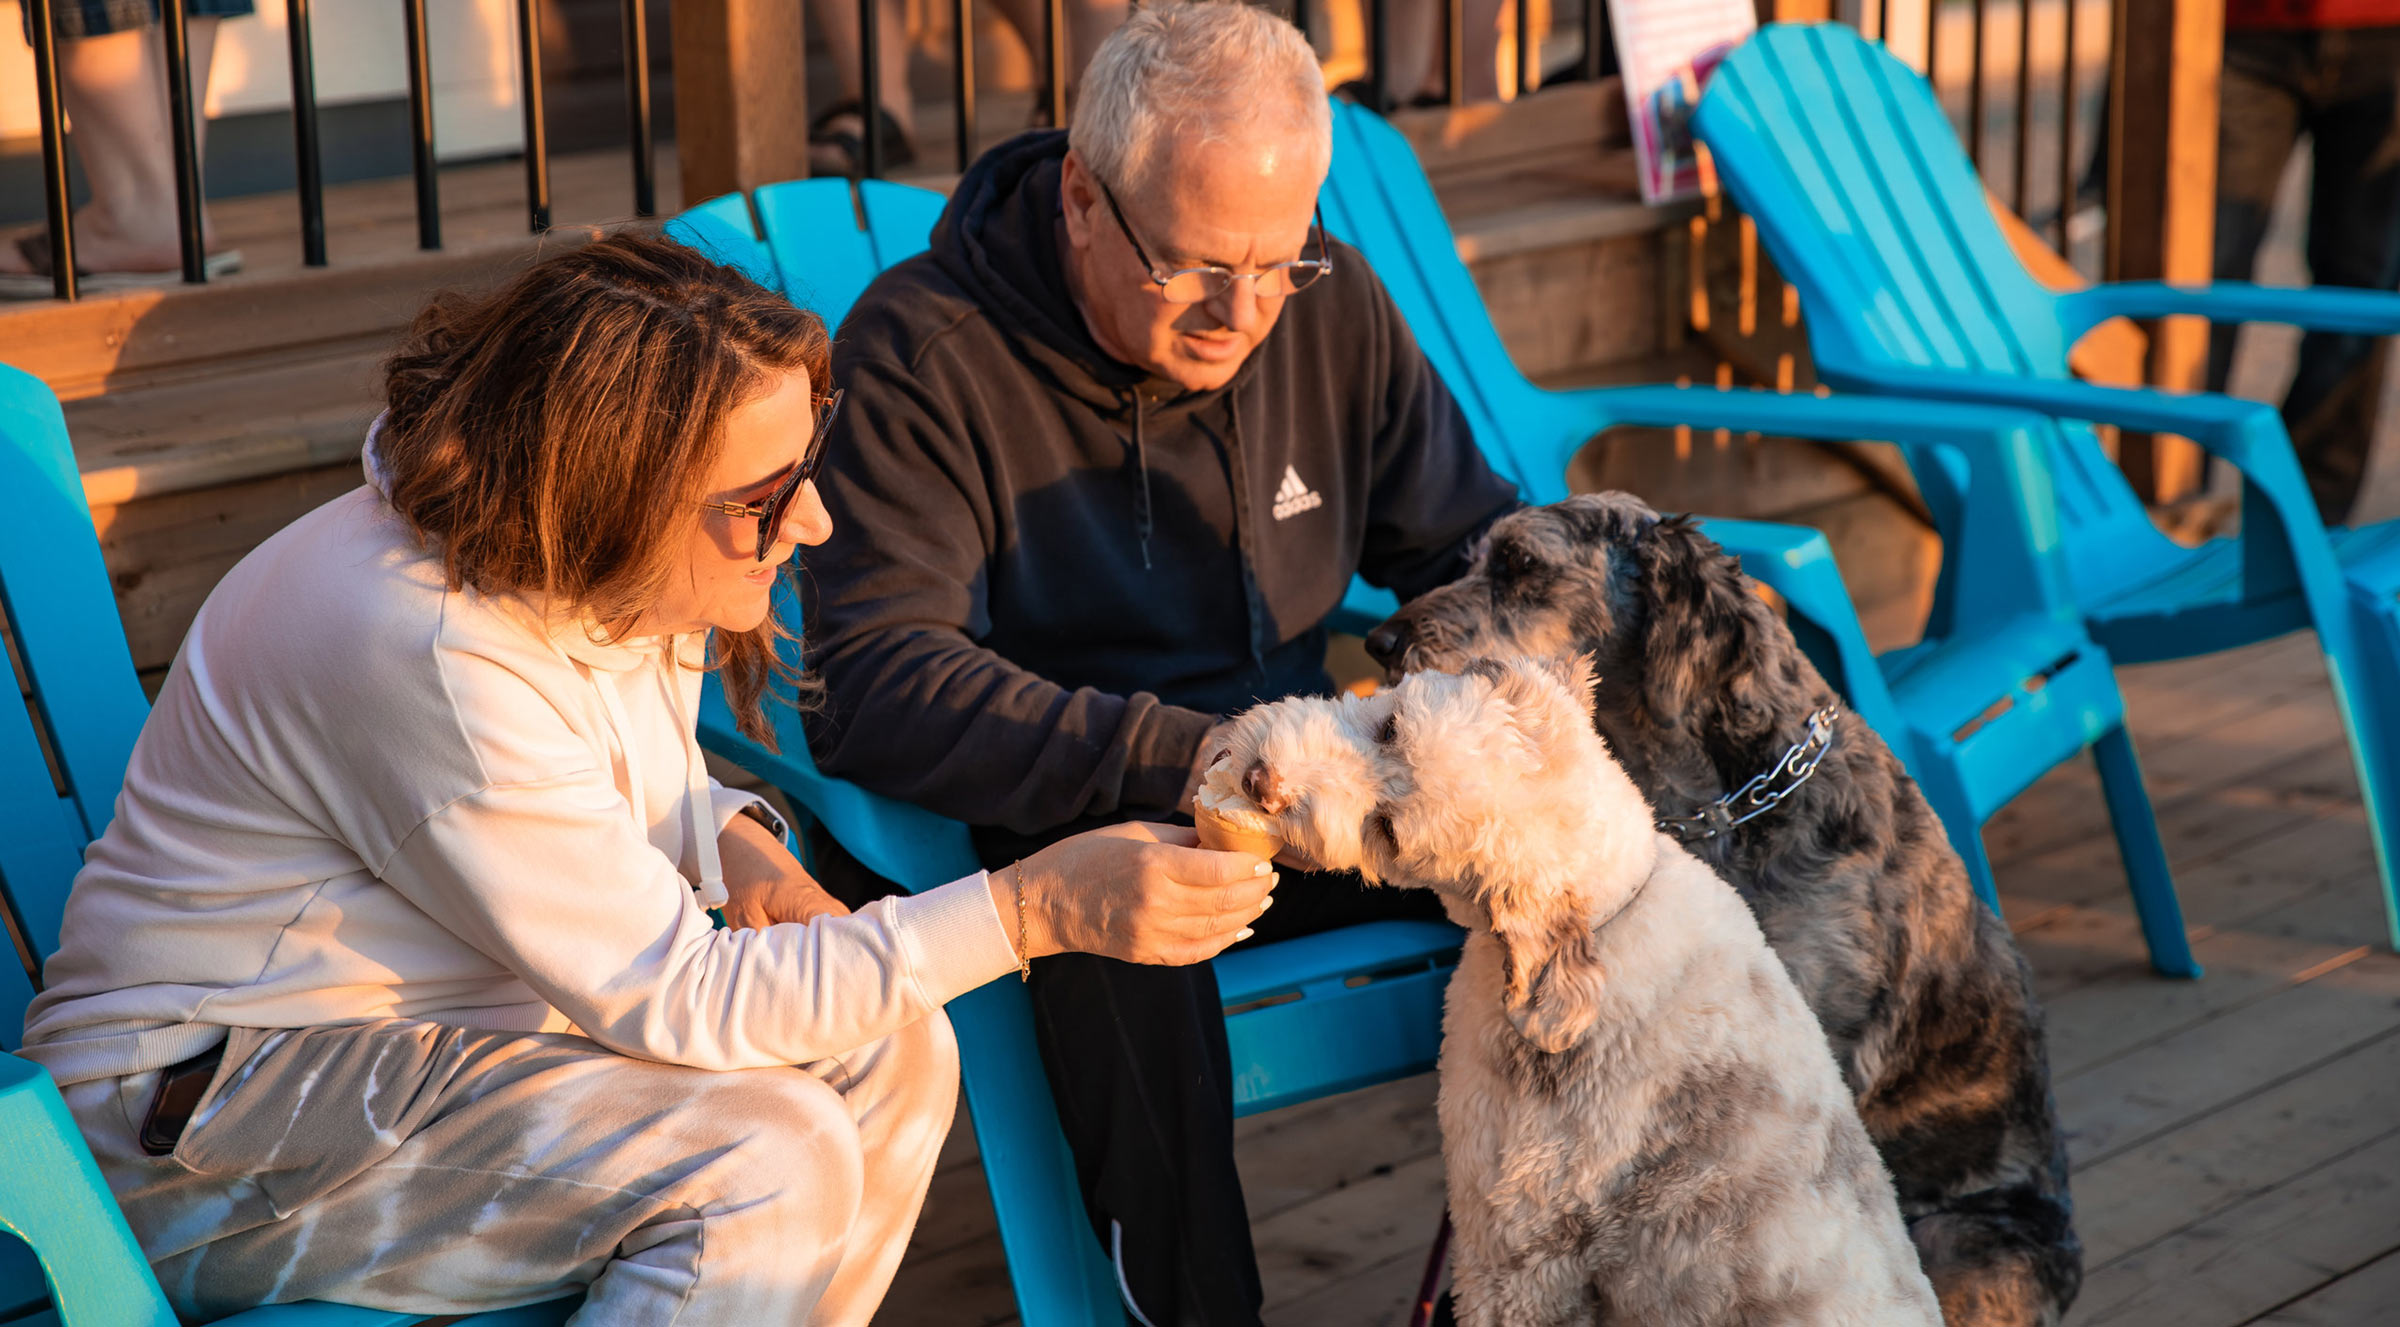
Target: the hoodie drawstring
(1141, 461)
(699, 807)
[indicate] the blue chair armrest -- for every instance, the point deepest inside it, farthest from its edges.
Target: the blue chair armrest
(2317, 308)
(52, 1197)
(907, 845)
(2223, 425)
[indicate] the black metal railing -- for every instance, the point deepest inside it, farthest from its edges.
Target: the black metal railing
(2010, 175)
(1597, 61)
(309, 175)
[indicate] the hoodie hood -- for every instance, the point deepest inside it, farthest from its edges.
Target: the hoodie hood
(609, 663)
(576, 635)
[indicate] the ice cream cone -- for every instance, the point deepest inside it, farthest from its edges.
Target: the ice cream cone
(1222, 835)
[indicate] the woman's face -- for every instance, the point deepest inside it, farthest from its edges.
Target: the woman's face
(724, 585)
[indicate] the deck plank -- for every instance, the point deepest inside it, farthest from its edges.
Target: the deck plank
(2275, 1248)
(2364, 1298)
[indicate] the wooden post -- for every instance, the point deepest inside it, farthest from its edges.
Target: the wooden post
(741, 99)
(2162, 198)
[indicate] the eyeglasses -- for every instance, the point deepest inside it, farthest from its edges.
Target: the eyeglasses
(1192, 285)
(770, 513)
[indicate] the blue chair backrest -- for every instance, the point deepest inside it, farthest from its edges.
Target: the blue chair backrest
(62, 752)
(1378, 199)
(1867, 202)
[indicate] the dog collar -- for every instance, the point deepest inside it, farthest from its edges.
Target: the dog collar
(1761, 794)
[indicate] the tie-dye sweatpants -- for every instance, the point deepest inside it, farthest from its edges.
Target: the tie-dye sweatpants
(423, 1167)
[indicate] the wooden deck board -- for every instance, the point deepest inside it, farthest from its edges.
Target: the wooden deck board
(2235, 1141)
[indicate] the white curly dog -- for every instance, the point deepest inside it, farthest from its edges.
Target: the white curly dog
(1641, 1119)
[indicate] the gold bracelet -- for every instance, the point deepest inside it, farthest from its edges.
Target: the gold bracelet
(1024, 964)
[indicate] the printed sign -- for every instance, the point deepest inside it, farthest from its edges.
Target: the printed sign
(1667, 49)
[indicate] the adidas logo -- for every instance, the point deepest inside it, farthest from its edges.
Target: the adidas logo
(1295, 497)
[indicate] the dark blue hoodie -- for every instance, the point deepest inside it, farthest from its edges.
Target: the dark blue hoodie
(1051, 573)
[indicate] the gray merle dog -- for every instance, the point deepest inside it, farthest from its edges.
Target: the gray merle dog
(1926, 1003)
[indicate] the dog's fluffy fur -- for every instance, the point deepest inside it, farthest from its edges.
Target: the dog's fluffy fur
(1640, 1120)
(1919, 988)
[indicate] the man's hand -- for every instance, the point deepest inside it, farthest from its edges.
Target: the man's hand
(764, 883)
(1211, 742)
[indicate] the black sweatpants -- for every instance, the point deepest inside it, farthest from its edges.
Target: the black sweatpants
(1136, 1056)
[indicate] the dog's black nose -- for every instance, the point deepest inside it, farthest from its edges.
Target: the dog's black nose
(1385, 643)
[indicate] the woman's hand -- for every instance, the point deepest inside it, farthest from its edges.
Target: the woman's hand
(765, 884)
(1139, 892)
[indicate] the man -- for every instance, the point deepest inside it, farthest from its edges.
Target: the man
(2329, 69)
(1122, 436)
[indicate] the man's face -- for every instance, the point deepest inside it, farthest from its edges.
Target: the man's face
(1238, 205)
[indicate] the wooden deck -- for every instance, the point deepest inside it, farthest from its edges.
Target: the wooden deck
(2236, 1140)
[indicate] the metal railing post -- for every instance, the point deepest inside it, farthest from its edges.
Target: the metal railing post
(56, 203)
(2066, 133)
(962, 78)
(1379, 56)
(180, 113)
(637, 108)
(1054, 61)
(537, 149)
(870, 89)
(308, 163)
(1527, 61)
(420, 125)
(1454, 51)
(1975, 89)
(1596, 55)
(2022, 183)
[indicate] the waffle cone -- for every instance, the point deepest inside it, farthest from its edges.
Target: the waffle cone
(1221, 836)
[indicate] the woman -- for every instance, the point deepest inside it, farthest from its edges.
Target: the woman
(392, 983)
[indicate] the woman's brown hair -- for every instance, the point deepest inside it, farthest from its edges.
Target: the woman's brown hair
(553, 438)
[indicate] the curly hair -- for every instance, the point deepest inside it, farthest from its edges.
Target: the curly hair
(552, 438)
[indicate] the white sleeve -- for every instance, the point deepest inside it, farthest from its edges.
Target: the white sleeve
(726, 803)
(551, 880)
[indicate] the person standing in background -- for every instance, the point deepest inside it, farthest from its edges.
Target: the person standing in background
(2329, 69)
(113, 78)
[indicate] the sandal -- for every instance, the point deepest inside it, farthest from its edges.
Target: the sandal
(34, 247)
(898, 149)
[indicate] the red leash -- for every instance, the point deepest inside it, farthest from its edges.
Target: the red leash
(1431, 1287)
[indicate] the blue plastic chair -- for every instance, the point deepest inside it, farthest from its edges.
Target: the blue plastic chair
(1307, 1017)
(2006, 684)
(1864, 198)
(76, 1250)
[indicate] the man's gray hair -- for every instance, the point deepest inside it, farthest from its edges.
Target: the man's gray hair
(1218, 69)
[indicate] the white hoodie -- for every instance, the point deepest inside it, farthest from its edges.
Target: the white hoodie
(363, 795)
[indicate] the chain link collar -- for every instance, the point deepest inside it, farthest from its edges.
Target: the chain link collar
(1761, 794)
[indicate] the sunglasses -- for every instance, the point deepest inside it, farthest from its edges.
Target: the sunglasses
(770, 513)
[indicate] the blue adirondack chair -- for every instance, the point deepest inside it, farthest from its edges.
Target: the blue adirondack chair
(2003, 652)
(1309, 1017)
(72, 1246)
(1860, 189)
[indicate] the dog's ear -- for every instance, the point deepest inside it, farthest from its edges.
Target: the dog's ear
(1709, 636)
(1553, 979)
